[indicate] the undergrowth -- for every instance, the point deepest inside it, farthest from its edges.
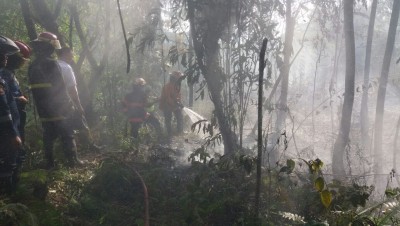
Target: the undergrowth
(211, 190)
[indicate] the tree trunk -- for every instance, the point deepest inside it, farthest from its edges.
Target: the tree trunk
(395, 146)
(205, 43)
(212, 76)
(97, 68)
(267, 103)
(30, 25)
(47, 19)
(345, 121)
(190, 82)
(260, 120)
(380, 105)
(314, 87)
(282, 107)
(364, 101)
(332, 84)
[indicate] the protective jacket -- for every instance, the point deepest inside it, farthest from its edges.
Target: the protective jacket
(135, 103)
(13, 91)
(48, 90)
(170, 97)
(6, 125)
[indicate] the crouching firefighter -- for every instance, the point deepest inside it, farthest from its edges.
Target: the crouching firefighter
(10, 141)
(51, 98)
(134, 105)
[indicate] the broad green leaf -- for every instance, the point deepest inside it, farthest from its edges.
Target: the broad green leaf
(316, 165)
(319, 184)
(326, 198)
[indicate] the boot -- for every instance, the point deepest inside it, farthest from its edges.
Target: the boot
(74, 161)
(50, 164)
(49, 161)
(94, 147)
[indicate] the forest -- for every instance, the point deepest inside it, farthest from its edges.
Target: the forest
(287, 112)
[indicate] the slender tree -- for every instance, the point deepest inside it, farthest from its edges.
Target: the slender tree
(395, 146)
(380, 105)
(364, 101)
(207, 24)
(26, 13)
(46, 18)
(284, 70)
(260, 127)
(345, 121)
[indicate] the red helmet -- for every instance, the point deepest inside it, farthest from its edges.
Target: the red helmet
(49, 38)
(7, 46)
(24, 49)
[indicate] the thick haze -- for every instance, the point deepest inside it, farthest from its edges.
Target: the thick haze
(315, 115)
(312, 122)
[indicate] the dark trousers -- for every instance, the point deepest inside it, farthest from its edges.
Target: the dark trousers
(179, 121)
(8, 166)
(153, 121)
(22, 120)
(135, 126)
(53, 130)
(150, 120)
(8, 155)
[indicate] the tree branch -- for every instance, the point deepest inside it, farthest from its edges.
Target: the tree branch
(30, 25)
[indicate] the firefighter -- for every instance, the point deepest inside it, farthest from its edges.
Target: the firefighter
(9, 137)
(170, 102)
(51, 98)
(15, 62)
(134, 105)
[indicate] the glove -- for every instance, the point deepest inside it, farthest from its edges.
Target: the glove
(180, 105)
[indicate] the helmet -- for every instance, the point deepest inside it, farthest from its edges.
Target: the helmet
(24, 49)
(7, 46)
(140, 81)
(176, 74)
(50, 38)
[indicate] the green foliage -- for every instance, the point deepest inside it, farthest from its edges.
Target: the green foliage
(319, 184)
(314, 166)
(108, 176)
(290, 164)
(211, 191)
(326, 198)
(217, 189)
(16, 214)
(350, 196)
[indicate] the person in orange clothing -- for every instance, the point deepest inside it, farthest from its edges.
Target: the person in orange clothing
(170, 102)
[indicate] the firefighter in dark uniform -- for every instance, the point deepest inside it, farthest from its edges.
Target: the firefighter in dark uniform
(134, 105)
(52, 102)
(9, 137)
(15, 62)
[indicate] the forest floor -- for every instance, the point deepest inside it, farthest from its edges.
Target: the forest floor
(55, 196)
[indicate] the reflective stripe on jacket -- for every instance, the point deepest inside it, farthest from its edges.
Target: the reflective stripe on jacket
(134, 104)
(48, 90)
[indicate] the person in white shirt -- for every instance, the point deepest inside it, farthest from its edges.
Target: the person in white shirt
(65, 60)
